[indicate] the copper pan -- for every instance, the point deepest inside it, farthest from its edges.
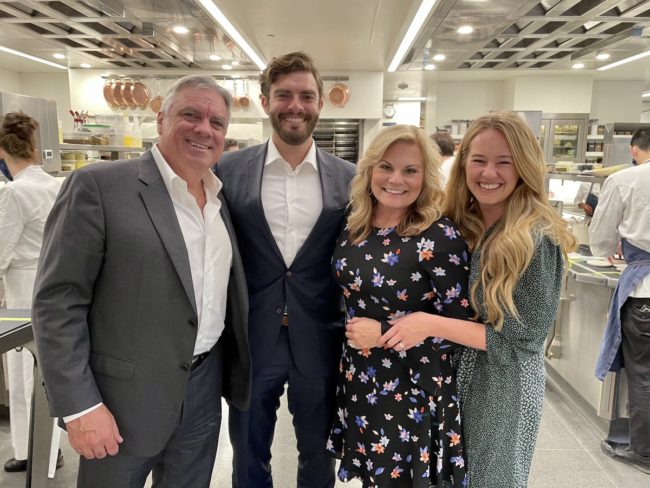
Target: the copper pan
(127, 94)
(338, 95)
(244, 100)
(156, 102)
(117, 94)
(108, 94)
(141, 94)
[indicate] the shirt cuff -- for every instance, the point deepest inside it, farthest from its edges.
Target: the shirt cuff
(75, 416)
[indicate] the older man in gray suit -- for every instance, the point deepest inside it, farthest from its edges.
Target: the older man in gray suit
(140, 304)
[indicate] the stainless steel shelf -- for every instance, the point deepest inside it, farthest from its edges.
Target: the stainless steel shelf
(94, 147)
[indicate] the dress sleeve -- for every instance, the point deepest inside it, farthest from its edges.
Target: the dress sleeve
(447, 267)
(11, 226)
(536, 296)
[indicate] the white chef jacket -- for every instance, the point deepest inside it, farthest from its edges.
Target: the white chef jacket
(292, 199)
(24, 206)
(623, 212)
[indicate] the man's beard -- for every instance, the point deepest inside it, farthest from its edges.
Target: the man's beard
(293, 137)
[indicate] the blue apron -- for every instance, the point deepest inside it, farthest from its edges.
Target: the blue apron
(638, 267)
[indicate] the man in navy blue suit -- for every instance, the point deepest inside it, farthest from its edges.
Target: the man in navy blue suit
(287, 200)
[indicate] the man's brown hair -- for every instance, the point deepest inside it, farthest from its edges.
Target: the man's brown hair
(289, 63)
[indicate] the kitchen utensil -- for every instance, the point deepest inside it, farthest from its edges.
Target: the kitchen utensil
(127, 94)
(141, 95)
(117, 94)
(108, 94)
(244, 100)
(235, 96)
(156, 102)
(338, 95)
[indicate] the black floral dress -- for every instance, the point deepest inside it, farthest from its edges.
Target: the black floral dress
(398, 422)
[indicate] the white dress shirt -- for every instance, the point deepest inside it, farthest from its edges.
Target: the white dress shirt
(623, 212)
(292, 199)
(209, 252)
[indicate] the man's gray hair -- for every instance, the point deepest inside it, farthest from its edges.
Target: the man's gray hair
(201, 82)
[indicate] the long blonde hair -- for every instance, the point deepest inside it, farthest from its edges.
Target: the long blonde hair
(507, 251)
(426, 208)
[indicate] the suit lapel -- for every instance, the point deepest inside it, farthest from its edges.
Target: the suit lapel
(254, 188)
(161, 211)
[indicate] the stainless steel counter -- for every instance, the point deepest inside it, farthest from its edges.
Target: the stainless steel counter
(574, 343)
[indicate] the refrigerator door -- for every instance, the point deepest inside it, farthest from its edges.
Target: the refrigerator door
(566, 141)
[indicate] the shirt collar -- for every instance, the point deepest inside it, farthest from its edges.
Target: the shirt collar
(211, 183)
(32, 168)
(272, 155)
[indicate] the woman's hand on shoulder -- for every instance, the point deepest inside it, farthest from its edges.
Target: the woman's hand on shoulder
(362, 332)
(407, 331)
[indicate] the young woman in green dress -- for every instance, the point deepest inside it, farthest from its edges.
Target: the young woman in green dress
(519, 244)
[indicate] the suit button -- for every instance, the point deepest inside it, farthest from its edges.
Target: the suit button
(279, 310)
(192, 322)
(289, 274)
(185, 367)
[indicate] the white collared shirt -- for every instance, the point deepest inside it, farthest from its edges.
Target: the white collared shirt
(208, 248)
(623, 212)
(292, 199)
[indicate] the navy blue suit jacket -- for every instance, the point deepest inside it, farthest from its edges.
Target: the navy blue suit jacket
(307, 287)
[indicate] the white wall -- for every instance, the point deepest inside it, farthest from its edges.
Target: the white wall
(9, 82)
(617, 101)
(466, 100)
(553, 94)
(51, 86)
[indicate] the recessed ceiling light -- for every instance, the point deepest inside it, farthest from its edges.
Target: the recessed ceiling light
(86, 65)
(430, 67)
(439, 57)
(226, 66)
(58, 55)
(214, 57)
(578, 65)
(465, 29)
(180, 29)
(645, 94)
(602, 56)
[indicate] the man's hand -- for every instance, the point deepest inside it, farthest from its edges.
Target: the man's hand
(95, 434)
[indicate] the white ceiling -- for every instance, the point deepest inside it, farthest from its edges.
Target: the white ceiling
(342, 35)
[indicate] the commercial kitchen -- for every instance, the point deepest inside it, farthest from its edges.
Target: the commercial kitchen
(94, 73)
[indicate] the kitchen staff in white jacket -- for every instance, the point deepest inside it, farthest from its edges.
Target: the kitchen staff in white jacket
(25, 203)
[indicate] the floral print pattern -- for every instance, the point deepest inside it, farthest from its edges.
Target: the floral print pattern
(398, 422)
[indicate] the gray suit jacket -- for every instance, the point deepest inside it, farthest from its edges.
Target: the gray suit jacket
(114, 315)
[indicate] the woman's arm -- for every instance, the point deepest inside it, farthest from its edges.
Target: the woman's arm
(411, 329)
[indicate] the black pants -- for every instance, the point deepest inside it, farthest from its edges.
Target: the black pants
(635, 325)
(188, 457)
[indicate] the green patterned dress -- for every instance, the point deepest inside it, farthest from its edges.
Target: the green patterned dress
(502, 389)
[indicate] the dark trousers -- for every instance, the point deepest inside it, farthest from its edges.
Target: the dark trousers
(251, 432)
(635, 324)
(188, 458)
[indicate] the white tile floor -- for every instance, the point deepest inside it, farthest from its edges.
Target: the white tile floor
(567, 455)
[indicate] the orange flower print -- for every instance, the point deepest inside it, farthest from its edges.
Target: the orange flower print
(454, 438)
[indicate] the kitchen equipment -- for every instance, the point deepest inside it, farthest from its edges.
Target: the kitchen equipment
(244, 100)
(108, 93)
(117, 94)
(141, 94)
(338, 95)
(127, 94)
(156, 102)
(599, 263)
(609, 170)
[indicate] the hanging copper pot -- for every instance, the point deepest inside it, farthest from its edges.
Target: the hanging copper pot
(108, 93)
(338, 95)
(117, 94)
(140, 94)
(127, 94)
(157, 101)
(244, 100)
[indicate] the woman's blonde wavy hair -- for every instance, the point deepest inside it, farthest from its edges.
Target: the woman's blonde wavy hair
(507, 251)
(423, 212)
